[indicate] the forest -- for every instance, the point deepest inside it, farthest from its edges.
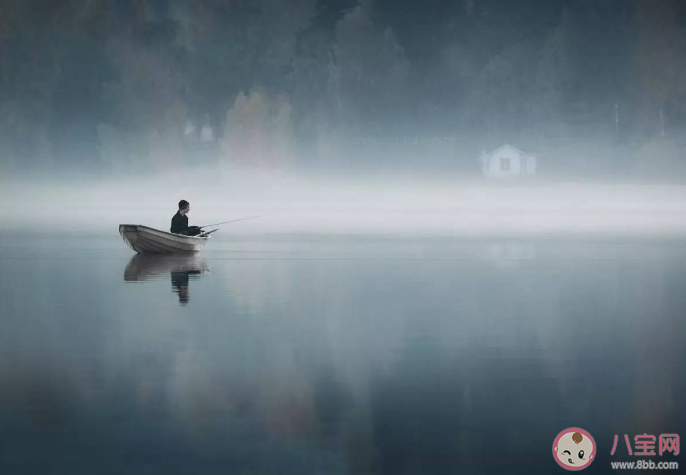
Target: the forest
(593, 87)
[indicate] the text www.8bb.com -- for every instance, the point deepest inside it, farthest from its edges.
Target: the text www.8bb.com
(645, 465)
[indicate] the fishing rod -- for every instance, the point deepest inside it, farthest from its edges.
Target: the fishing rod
(233, 221)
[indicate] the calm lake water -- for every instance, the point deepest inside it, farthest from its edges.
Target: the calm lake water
(335, 355)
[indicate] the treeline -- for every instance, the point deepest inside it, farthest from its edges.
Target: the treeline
(149, 84)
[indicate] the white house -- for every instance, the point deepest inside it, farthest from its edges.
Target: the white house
(507, 161)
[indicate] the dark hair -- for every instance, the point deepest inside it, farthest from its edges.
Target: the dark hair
(183, 204)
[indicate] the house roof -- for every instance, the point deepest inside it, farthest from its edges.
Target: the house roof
(506, 146)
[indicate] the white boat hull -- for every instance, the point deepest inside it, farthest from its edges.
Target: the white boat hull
(146, 240)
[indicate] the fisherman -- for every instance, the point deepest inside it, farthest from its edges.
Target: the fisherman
(179, 223)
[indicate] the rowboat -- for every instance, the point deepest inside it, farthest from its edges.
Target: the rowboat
(146, 240)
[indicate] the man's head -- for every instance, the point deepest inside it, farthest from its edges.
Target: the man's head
(184, 206)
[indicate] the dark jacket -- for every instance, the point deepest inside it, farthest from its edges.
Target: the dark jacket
(179, 223)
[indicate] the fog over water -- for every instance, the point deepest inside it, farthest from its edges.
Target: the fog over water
(371, 116)
(395, 205)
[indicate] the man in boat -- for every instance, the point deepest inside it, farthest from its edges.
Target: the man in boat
(179, 223)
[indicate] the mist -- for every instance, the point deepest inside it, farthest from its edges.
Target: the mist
(345, 116)
(398, 206)
(341, 88)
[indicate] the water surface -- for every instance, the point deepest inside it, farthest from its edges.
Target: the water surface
(333, 355)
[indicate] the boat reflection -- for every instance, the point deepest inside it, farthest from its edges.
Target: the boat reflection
(181, 268)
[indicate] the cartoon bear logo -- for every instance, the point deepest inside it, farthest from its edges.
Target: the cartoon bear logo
(574, 449)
